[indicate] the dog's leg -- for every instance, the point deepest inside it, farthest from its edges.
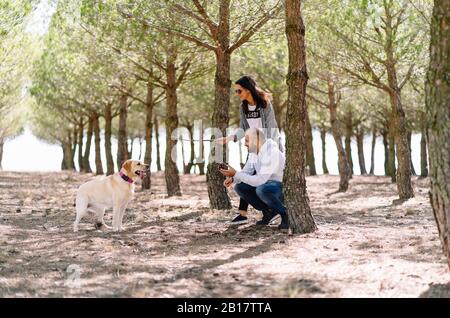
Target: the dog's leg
(117, 210)
(81, 208)
(100, 213)
(121, 228)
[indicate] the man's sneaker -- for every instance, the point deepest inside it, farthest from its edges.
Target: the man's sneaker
(239, 219)
(268, 217)
(284, 225)
(273, 219)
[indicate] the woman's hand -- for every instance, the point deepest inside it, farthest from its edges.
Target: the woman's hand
(224, 140)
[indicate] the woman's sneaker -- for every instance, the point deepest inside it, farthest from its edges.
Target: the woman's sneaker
(239, 219)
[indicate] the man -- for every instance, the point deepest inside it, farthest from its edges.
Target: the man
(259, 182)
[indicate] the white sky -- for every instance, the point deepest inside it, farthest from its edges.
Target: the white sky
(27, 153)
(40, 19)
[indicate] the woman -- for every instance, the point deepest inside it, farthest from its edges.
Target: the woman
(256, 111)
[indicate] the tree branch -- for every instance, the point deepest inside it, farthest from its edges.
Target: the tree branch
(407, 76)
(168, 30)
(256, 26)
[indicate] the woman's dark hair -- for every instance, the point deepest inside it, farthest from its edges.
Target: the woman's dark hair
(260, 96)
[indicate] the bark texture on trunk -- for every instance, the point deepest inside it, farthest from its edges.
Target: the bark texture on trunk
(149, 104)
(348, 133)
(170, 168)
(218, 196)
(413, 171)
(108, 135)
(423, 156)
(98, 158)
(384, 134)
(87, 150)
(2, 143)
(294, 182)
(310, 160)
(438, 120)
(372, 152)
(122, 146)
(360, 146)
(403, 175)
(80, 144)
(323, 134)
(158, 152)
(343, 165)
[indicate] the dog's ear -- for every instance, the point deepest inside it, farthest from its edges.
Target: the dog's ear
(127, 166)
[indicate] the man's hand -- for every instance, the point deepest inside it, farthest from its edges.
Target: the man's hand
(230, 172)
(224, 140)
(228, 182)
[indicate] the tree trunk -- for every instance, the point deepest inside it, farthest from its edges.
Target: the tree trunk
(423, 156)
(80, 144)
(68, 153)
(108, 135)
(294, 182)
(149, 104)
(141, 141)
(348, 124)
(130, 152)
(310, 160)
(190, 164)
(158, 153)
(403, 176)
(392, 170)
(74, 142)
(87, 150)
(98, 158)
(185, 165)
(122, 147)
(343, 165)
(2, 143)
(438, 115)
(170, 167)
(64, 159)
(372, 151)
(384, 134)
(323, 134)
(413, 171)
(276, 102)
(218, 196)
(201, 165)
(360, 146)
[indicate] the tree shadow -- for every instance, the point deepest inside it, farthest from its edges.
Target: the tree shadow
(437, 291)
(251, 252)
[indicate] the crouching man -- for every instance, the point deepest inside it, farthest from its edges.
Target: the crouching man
(259, 182)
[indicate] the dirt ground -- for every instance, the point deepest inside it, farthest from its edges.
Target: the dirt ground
(176, 247)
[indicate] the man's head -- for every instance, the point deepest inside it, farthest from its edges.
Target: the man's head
(254, 139)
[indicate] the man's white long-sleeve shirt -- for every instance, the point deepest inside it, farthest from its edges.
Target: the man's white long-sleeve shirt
(268, 163)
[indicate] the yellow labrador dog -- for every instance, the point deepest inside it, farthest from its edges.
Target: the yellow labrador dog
(114, 191)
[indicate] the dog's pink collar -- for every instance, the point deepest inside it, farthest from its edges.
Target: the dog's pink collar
(125, 177)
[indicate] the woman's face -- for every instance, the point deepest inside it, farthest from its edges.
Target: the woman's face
(241, 92)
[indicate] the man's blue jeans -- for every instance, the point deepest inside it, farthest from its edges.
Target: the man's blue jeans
(264, 197)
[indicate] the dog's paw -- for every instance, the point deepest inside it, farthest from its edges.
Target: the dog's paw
(98, 226)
